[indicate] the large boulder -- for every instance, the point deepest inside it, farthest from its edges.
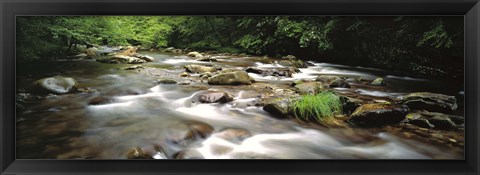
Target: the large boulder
(193, 68)
(339, 83)
(279, 108)
(430, 102)
(231, 78)
(350, 104)
(327, 79)
(56, 85)
(378, 114)
(309, 87)
(293, 63)
(215, 96)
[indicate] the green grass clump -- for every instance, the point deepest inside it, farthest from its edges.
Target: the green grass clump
(321, 107)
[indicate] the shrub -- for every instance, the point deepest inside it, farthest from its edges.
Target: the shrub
(321, 107)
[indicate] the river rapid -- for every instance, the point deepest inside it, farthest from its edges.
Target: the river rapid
(143, 113)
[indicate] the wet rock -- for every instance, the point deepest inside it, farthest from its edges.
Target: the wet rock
(339, 83)
(283, 72)
(100, 100)
(378, 114)
(418, 120)
(121, 59)
(207, 59)
(137, 153)
(430, 102)
(437, 120)
(194, 54)
(143, 57)
(289, 57)
(350, 104)
(184, 74)
(279, 108)
(134, 67)
(90, 53)
(56, 85)
(231, 78)
(206, 75)
(215, 97)
(293, 63)
(189, 154)
(327, 79)
(378, 82)
(199, 68)
(190, 132)
(309, 87)
(234, 134)
(166, 81)
(185, 82)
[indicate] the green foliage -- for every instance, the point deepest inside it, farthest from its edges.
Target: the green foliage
(320, 107)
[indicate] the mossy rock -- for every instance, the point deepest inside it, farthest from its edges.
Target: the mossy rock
(430, 102)
(378, 114)
(231, 78)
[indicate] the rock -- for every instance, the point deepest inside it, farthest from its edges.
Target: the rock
(293, 63)
(143, 57)
(134, 67)
(184, 74)
(90, 53)
(215, 97)
(189, 132)
(378, 114)
(199, 68)
(350, 104)
(418, 120)
(430, 102)
(206, 75)
(185, 82)
(442, 122)
(117, 59)
(309, 87)
(437, 120)
(234, 134)
(189, 154)
(228, 70)
(166, 81)
(327, 79)
(56, 85)
(289, 57)
(231, 78)
(339, 83)
(129, 51)
(206, 59)
(285, 72)
(279, 108)
(100, 100)
(137, 153)
(194, 54)
(378, 82)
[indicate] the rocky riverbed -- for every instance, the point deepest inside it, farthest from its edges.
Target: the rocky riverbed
(173, 104)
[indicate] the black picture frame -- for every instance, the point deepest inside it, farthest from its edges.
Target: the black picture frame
(11, 8)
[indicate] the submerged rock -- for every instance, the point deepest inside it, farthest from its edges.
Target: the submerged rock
(430, 102)
(193, 68)
(189, 154)
(378, 114)
(56, 85)
(137, 153)
(378, 82)
(100, 100)
(234, 134)
(134, 67)
(215, 96)
(231, 78)
(166, 81)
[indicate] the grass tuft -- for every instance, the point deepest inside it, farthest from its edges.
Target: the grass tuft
(320, 107)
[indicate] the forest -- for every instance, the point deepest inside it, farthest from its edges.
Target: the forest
(427, 46)
(240, 87)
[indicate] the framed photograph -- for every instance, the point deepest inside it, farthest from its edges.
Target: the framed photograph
(239, 87)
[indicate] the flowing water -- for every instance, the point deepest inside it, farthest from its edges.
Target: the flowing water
(143, 113)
